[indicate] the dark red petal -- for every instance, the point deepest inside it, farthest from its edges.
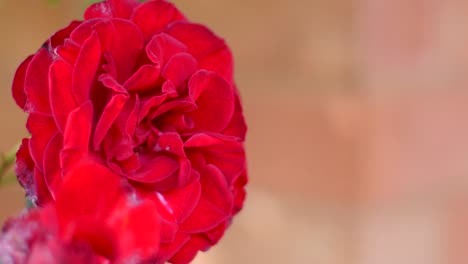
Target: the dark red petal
(111, 8)
(109, 81)
(62, 101)
(215, 234)
(153, 17)
(209, 49)
(184, 200)
(237, 127)
(179, 68)
(215, 188)
(24, 168)
(215, 203)
(82, 191)
(36, 83)
(42, 128)
(150, 104)
(59, 37)
(85, 68)
(167, 250)
(188, 252)
(123, 8)
(98, 10)
(69, 51)
(18, 83)
(221, 62)
(139, 230)
(144, 79)
(239, 192)
(124, 42)
(156, 170)
(52, 171)
(226, 153)
(215, 101)
(77, 135)
(172, 143)
(82, 32)
(162, 47)
(110, 113)
(42, 191)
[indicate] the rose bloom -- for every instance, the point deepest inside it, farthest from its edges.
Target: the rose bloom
(138, 89)
(85, 225)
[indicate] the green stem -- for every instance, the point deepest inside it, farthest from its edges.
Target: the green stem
(6, 162)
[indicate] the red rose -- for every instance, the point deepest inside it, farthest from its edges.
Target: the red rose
(85, 225)
(139, 89)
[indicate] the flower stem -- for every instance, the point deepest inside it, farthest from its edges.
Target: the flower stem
(6, 162)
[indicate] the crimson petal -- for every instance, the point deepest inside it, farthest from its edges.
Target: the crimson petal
(162, 47)
(110, 113)
(143, 79)
(18, 83)
(76, 137)
(42, 128)
(24, 167)
(85, 68)
(36, 82)
(179, 68)
(153, 16)
(215, 203)
(52, 171)
(184, 200)
(186, 254)
(215, 100)
(210, 50)
(156, 170)
(62, 101)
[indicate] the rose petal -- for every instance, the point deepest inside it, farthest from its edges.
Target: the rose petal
(111, 8)
(172, 143)
(150, 104)
(188, 252)
(85, 68)
(156, 170)
(59, 37)
(215, 202)
(139, 230)
(110, 113)
(184, 200)
(98, 10)
(226, 153)
(215, 101)
(52, 171)
(24, 168)
(36, 82)
(42, 192)
(112, 33)
(167, 250)
(62, 101)
(42, 128)
(109, 81)
(82, 191)
(162, 47)
(144, 79)
(179, 68)
(210, 50)
(237, 127)
(76, 136)
(18, 83)
(153, 17)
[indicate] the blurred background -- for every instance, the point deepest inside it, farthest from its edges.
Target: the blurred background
(358, 130)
